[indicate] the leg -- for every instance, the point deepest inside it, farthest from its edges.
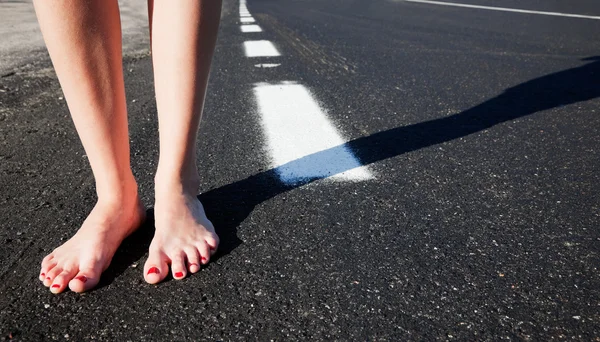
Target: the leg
(183, 39)
(84, 41)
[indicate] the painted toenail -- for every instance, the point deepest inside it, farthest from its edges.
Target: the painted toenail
(55, 286)
(203, 259)
(82, 279)
(179, 274)
(43, 274)
(48, 278)
(154, 270)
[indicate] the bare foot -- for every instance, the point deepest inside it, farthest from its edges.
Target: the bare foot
(80, 261)
(184, 238)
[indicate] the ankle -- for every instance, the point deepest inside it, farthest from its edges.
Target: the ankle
(120, 194)
(171, 185)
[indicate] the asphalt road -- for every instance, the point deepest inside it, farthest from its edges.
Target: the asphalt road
(481, 130)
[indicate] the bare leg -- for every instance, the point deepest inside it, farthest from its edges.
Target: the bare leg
(183, 39)
(84, 41)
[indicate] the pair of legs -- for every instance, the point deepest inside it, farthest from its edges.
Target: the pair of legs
(83, 38)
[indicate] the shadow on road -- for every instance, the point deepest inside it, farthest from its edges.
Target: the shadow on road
(229, 205)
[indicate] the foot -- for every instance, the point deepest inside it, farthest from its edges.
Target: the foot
(80, 261)
(184, 238)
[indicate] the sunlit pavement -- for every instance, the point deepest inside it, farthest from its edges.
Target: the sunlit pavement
(377, 170)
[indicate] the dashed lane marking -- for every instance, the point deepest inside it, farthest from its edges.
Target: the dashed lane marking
(302, 141)
(247, 20)
(250, 28)
(267, 65)
(260, 48)
(504, 9)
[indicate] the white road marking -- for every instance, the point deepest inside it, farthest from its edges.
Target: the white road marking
(303, 143)
(504, 9)
(245, 15)
(244, 10)
(247, 20)
(260, 48)
(267, 65)
(250, 28)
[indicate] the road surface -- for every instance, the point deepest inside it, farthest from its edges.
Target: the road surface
(377, 170)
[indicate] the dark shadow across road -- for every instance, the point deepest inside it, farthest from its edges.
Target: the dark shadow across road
(229, 205)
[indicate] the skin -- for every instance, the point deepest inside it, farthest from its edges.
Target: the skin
(83, 38)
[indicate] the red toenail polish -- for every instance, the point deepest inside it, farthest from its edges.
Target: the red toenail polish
(203, 259)
(55, 286)
(48, 278)
(179, 274)
(43, 274)
(154, 270)
(82, 279)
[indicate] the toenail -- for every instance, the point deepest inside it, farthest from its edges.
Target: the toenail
(43, 274)
(82, 279)
(55, 286)
(192, 264)
(179, 274)
(48, 278)
(203, 259)
(154, 270)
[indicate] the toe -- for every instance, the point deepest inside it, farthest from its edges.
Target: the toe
(204, 250)
(47, 264)
(178, 265)
(47, 270)
(193, 260)
(50, 275)
(84, 280)
(213, 244)
(59, 283)
(156, 268)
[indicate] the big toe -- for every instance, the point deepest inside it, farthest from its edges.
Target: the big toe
(156, 268)
(84, 280)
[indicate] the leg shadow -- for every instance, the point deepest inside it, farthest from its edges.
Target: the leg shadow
(231, 204)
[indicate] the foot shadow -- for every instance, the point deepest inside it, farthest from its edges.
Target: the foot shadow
(132, 249)
(228, 206)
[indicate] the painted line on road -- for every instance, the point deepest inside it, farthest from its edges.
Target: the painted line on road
(247, 20)
(250, 28)
(504, 9)
(260, 48)
(303, 143)
(267, 65)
